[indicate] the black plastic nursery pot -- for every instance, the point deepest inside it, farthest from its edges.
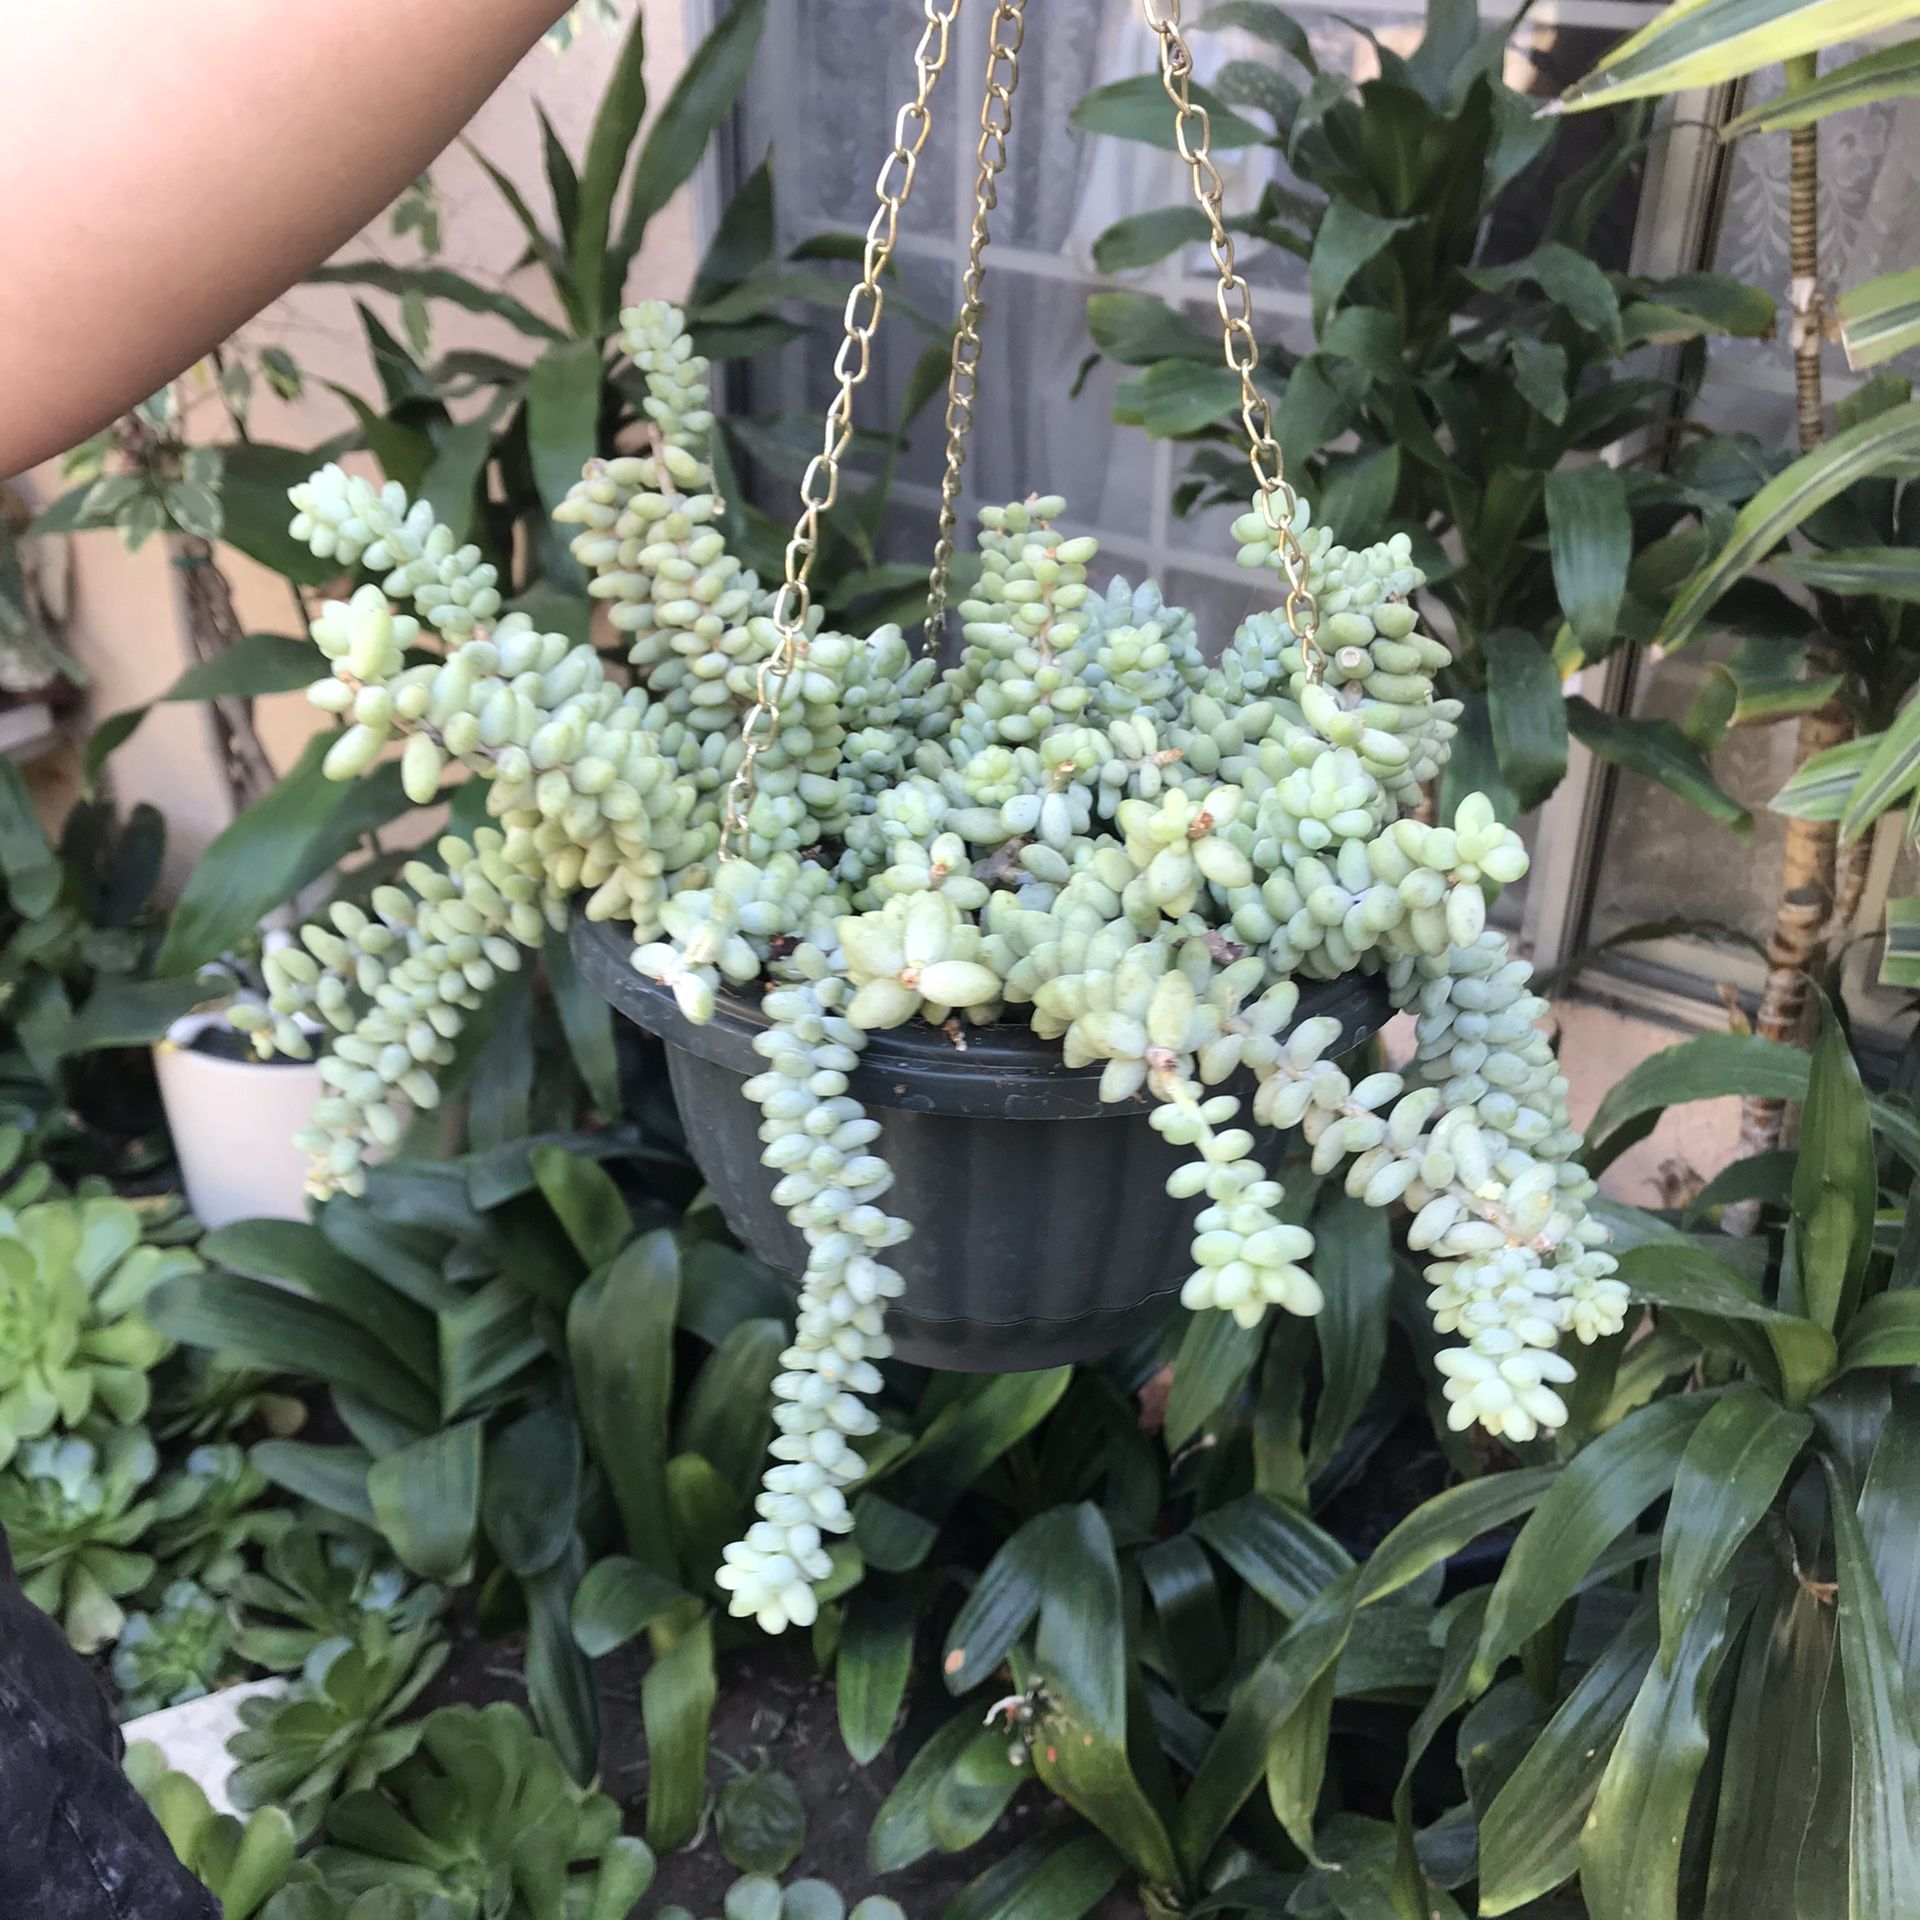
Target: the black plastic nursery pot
(1042, 1228)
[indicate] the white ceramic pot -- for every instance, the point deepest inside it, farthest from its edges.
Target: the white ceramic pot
(233, 1123)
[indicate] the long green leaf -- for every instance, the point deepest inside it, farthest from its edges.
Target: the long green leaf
(1281, 1554)
(870, 1672)
(1889, 573)
(1081, 1658)
(618, 1600)
(256, 665)
(1528, 711)
(676, 1706)
(702, 97)
(902, 1829)
(1631, 1844)
(560, 1688)
(1821, 786)
(1354, 1261)
(1590, 543)
(1835, 1184)
(623, 105)
(1235, 1762)
(1658, 750)
(333, 1478)
(1530, 1834)
(1880, 317)
(1601, 1493)
(531, 1497)
(287, 838)
(1055, 1879)
(1884, 1333)
(620, 1338)
(587, 1202)
(563, 416)
(1138, 109)
(1732, 1469)
(1770, 1791)
(1141, 239)
(439, 283)
(1707, 43)
(31, 868)
(426, 1498)
(1692, 1281)
(1709, 1067)
(296, 1254)
(1004, 1603)
(1884, 1855)
(1891, 772)
(1347, 238)
(1891, 74)
(1216, 1355)
(265, 1326)
(726, 1418)
(1900, 955)
(1440, 1527)
(587, 1021)
(1793, 494)
(1889, 1516)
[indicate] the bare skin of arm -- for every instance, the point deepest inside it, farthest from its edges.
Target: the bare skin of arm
(171, 166)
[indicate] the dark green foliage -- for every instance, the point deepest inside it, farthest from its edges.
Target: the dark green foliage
(1457, 388)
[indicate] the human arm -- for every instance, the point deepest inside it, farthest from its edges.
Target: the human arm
(171, 166)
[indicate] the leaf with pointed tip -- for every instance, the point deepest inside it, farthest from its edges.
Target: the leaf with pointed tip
(1786, 501)
(1708, 43)
(1728, 1476)
(426, 1498)
(1891, 74)
(1884, 1850)
(1530, 1834)
(1692, 1281)
(1631, 1844)
(1602, 1492)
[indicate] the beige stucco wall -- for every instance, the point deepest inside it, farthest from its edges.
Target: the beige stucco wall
(126, 625)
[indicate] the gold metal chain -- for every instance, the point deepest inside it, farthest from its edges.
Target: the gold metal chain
(1277, 501)
(820, 484)
(1005, 32)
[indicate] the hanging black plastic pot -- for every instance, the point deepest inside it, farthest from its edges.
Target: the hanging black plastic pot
(1043, 1230)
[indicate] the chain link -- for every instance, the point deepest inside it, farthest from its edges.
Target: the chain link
(1233, 298)
(1005, 32)
(820, 484)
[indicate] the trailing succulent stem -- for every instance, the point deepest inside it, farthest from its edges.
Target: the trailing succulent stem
(1085, 822)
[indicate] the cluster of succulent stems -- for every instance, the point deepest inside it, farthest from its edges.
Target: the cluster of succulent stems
(1086, 822)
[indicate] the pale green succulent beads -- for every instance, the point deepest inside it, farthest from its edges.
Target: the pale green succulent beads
(342, 517)
(817, 1139)
(1085, 822)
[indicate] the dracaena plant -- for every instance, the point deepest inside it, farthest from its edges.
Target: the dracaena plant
(1457, 387)
(1730, 1727)
(1837, 523)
